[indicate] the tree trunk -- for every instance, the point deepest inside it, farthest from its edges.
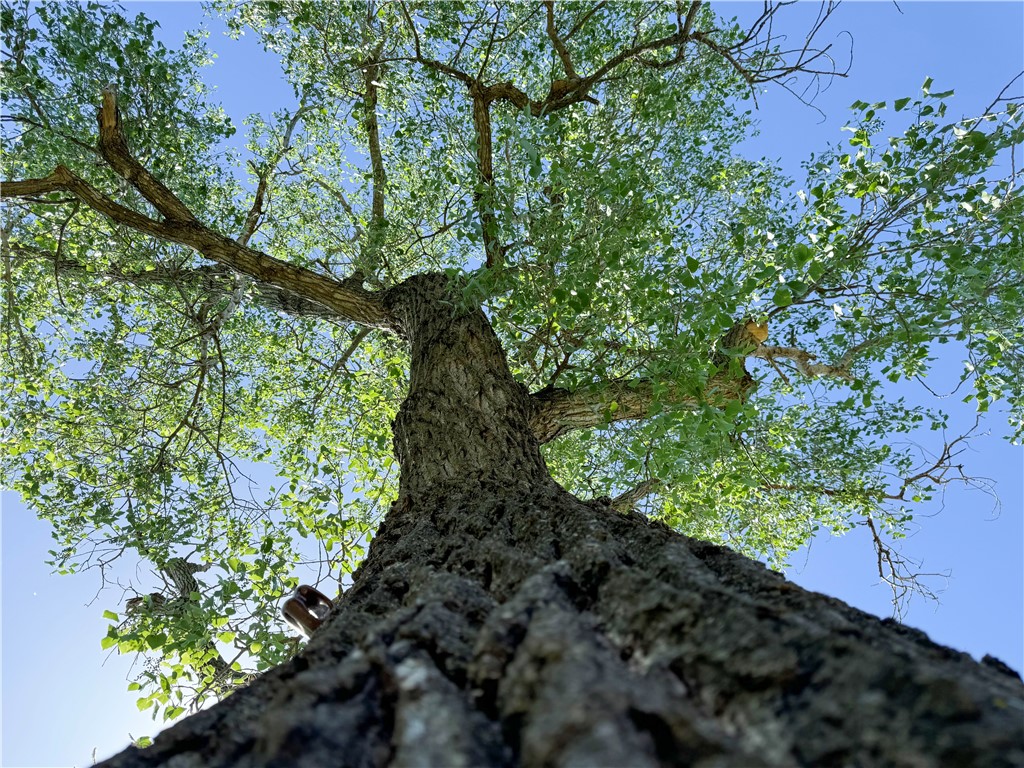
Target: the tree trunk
(500, 621)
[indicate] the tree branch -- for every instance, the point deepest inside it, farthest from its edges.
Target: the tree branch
(582, 20)
(252, 220)
(557, 43)
(558, 411)
(937, 471)
(626, 501)
(115, 151)
(63, 180)
(431, 63)
(751, 57)
(371, 72)
(898, 572)
(803, 359)
(215, 281)
(345, 299)
(483, 197)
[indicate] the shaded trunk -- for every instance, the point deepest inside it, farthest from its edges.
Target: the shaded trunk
(500, 621)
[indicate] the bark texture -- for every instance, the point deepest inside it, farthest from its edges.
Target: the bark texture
(499, 621)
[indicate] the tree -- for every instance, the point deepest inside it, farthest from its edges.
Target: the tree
(549, 255)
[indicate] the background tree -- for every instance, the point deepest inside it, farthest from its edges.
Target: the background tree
(581, 158)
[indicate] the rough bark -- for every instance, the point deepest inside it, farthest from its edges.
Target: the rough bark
(499, 621)
(465, 419)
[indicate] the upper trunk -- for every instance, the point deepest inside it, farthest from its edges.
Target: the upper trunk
(500, 621)
(465, 418)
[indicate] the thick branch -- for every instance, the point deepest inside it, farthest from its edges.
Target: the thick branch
(213, 280)
(342, 299)
(63, 180)
(485, 191)
(558, 411)
(371, 74)
(115, 151)
(345, 299)
(557, 42)
(691, 14)
(627, 500)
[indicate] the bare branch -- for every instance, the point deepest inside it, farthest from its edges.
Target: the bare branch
(898, 572)
(752, 57)
(937, 472)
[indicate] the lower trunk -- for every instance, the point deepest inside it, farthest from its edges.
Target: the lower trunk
(489, 628)
(499, 621)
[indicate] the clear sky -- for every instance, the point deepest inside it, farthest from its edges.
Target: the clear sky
(62, 697)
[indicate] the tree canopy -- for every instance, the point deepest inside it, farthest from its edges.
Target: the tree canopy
(198, 368)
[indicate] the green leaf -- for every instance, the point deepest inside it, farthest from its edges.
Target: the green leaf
(783, 297)
(802, 254)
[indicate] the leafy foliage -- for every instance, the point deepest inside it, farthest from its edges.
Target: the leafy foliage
(151, 390)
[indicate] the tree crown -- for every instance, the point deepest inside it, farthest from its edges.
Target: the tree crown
(179, 315)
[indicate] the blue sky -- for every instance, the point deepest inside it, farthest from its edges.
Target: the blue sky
(62, 696)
